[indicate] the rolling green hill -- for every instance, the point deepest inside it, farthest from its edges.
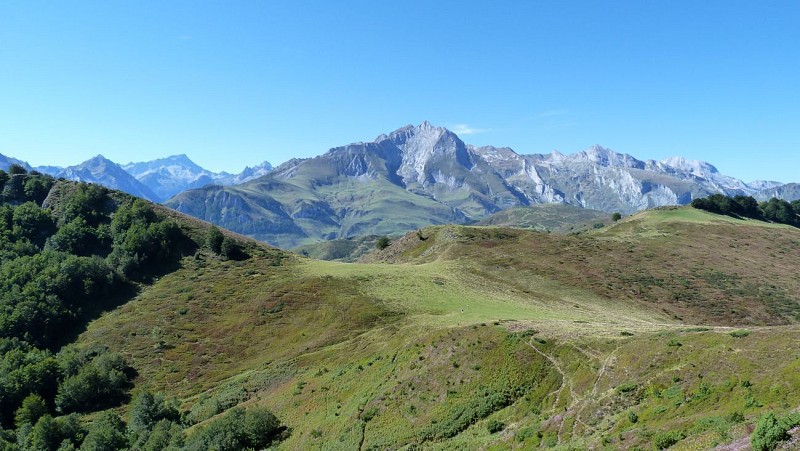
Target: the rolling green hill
(469, 337)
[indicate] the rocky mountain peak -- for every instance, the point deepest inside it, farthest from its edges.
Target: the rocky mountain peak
(604, 156)
(422, 146)
(98, 164)
(424, 132)
(180, 161)
(694, 167)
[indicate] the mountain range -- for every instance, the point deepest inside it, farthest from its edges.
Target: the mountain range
(155, 180)
(422, 175)
(412, 177)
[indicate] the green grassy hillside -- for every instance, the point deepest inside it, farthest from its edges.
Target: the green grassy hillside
(549, 217)
(695, 266)
(291, 213)
(344, 250)
(671, 327)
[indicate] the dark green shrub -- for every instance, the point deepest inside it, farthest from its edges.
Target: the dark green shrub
(369, 414)
(106, 433)
(230, 250)
(164, 435)
(17, 169)
(495, 426)
(147, 409)
(24, 370)
(31, 222)
(255, 428)
(52, 433)
(98, 384)
(771, 430)
(214, 239)
(382, 242)
(664, 440)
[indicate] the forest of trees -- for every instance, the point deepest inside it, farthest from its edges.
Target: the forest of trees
(62, 261)
(773, 210)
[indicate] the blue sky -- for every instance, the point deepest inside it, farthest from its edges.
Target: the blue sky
(235, 83)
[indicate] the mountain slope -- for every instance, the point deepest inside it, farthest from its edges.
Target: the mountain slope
(788, 192)
(5, 162)
(102, 171)
(413, 177)
(548, 217)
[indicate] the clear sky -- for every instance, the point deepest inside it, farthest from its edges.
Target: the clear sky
(233, 83)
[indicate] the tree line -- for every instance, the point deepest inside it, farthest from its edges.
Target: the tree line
(774, 210)
(67, 252)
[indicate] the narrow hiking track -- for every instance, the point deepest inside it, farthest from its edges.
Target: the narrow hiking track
(565, 382)
(608, 360)
(586, 352)
(557, 391)
(577, 404)
(611, 358)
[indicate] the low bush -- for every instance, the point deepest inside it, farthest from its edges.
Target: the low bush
(495, 426)
(664, 440)
(772, 429)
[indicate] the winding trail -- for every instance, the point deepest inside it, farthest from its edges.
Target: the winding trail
(577, 404)
(565, 382)
(593, 395)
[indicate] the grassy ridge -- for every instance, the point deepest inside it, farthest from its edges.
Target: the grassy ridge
(696, 267)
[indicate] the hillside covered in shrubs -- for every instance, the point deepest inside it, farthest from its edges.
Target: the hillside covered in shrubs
(69, 251)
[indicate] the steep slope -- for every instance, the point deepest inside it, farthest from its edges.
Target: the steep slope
(71, 251)
(102, 171)
(390, 185)
(601, 179)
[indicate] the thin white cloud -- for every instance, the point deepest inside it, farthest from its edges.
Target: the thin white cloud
(551, 113)
(464, 129)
